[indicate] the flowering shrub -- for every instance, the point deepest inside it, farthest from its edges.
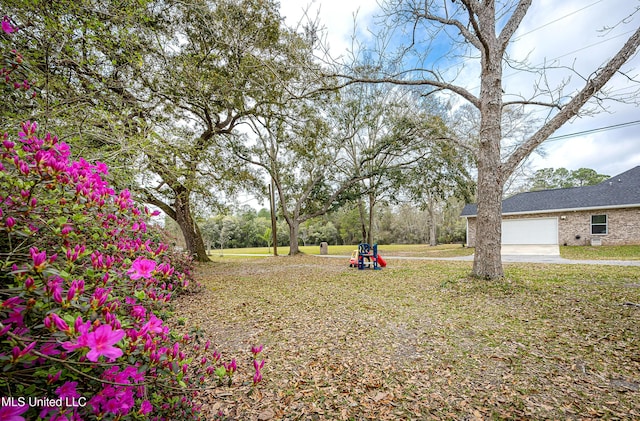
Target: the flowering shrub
(84, 285)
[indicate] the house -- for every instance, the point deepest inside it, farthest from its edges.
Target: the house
(603, 214)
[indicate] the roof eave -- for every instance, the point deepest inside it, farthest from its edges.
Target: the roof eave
(630, 205)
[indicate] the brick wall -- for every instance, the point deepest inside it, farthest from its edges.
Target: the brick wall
(623, 227)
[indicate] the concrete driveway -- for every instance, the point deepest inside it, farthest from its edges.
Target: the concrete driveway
(530, 250)
(524, 258)
(518, 258)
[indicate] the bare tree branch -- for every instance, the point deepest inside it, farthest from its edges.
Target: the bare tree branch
(592, 86)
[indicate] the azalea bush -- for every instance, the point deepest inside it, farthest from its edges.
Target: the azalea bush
(85, 284)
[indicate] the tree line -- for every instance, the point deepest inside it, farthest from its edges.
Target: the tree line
(399, 223)
(394, 224)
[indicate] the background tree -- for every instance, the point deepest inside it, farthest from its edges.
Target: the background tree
(442, 172)
(86, 66)
(220, 66)
(587, 177)
(365, 119)
(485, 30)
(550, 178)
(300, 151)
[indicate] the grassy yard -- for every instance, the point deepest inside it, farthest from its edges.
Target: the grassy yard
(418, 340)
(417, 250)
(601, 252)
(443, 250)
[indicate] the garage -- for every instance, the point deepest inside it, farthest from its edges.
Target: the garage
(530, 236)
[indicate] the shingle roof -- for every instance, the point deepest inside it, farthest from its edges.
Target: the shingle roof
(618, 191)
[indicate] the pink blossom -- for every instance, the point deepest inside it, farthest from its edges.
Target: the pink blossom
(68, 390)
(52, 378)
(5, 329)
(39, 258)
(138, 312)
(58, 322)
(50, 348)
(29, 284)
(258, 365)
(231, 367)
(12, 413)
(101, 167)
(255, 350)
(28, 129)
(12, 302)
(141, 268)
(145, 408)
(6, 25)
(99, 298)
(257, 378)
(66, 229)
(101, 342)
(16, 317)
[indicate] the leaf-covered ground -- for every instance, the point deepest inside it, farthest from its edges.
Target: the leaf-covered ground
(418, 340)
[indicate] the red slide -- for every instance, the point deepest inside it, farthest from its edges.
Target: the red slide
(381, 262)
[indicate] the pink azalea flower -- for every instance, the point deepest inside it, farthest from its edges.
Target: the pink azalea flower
(101, 342)
(49, 348)
(101, 167)
(53, 378)
(142, 268)
(11, 302)
(231, 367)
(138, 312)
(58, 322)
(145, 408)
(39, 258)
(6, 25)
(12, 413)
(16, 317)
(68, 390)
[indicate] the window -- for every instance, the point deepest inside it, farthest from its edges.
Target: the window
(599, 224)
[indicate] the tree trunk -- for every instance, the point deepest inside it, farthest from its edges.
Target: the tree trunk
(372, 204)
(432, 224)
(363, 224)
(294, 229)
(190, 230)
(487, 263)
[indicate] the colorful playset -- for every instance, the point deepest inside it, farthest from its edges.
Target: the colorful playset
(367, 257)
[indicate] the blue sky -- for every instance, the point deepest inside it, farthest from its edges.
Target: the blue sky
(563, 32)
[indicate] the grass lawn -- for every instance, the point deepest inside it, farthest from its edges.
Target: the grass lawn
(443, 250)
(417, 250)
(601, 252)
(418, 340)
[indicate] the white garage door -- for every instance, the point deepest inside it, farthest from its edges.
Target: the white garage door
(534, 231)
